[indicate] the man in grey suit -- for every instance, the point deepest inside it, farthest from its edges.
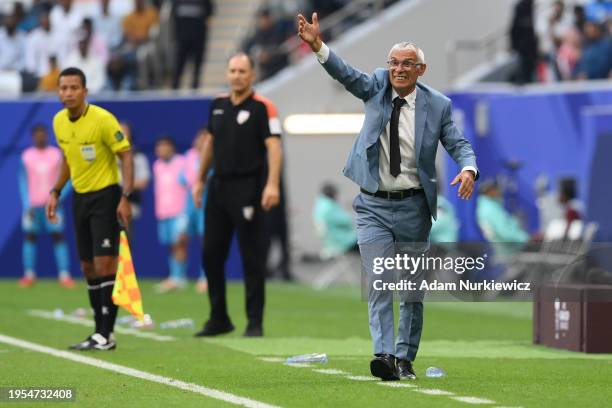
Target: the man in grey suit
(393, 161)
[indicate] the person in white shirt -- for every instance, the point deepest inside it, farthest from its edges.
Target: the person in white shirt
(90, 64)
(41, 43)
(12, 45)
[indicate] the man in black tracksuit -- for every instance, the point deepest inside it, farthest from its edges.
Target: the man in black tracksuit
(244, 150)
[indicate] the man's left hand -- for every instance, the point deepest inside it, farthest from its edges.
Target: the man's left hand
(466, 188)
(270, 197)
(124, 212)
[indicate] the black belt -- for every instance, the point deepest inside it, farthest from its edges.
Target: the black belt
(394, 195)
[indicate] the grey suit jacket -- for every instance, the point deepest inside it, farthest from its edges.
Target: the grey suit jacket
(433, 123)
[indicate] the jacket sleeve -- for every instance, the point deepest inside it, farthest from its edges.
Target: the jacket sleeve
(454, 142)
(360, 84)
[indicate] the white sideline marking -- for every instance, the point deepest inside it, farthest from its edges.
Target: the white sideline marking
(45, 314)
(433, 391)
(329, 371)
(199, 389)
(272, 359)
(361, 378)
(299, 365)
(396, 384)
(474, 400)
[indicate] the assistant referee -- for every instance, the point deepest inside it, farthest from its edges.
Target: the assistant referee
(91, 139)
(245, 145)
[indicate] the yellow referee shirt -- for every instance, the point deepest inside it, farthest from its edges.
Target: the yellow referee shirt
(90, 144)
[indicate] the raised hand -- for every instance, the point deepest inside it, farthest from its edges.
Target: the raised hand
(310, 33)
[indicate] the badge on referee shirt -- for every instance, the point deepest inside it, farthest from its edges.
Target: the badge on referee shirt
(119, 136)
(88, 152)
(243, 116)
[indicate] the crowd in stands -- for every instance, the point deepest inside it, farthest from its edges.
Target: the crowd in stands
(571, 40)
(273, 43)
(109, 40)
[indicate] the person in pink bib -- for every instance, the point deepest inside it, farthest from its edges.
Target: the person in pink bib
(170, 188)
(195, 216)
(40, 165)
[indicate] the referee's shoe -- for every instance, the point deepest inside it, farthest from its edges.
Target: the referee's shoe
(95, 342)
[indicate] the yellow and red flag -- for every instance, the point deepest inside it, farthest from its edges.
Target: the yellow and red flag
(126, 292)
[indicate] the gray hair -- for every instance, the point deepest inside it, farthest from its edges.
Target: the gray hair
(409, 46)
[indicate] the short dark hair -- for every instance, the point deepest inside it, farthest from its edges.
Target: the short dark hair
(74, 71)
(39, 127)
(240, 54)
(165, 139)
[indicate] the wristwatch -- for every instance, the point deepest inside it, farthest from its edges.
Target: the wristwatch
(126, 194)
(56, 191)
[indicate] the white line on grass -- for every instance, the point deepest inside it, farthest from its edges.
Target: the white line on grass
(45, 314)
(433, 391)
(132, 372)
(473, 400)
(272, 359)
(330, 371)
(396, 384)
(361, 378)
(298, 365)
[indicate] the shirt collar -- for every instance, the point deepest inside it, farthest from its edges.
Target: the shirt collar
(410, 98)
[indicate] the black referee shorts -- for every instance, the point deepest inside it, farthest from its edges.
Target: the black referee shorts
(95, 222)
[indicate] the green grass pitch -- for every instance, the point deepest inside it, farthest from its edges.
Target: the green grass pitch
(485, 348)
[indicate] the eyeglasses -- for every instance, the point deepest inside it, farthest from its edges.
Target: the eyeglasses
(407, 64)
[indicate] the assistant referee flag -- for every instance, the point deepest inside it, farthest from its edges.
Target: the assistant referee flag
(126, 292)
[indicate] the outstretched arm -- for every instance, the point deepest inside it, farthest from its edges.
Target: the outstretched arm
(356, 82)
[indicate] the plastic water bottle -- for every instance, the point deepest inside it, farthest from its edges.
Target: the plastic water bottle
(434, 372)
(307, 358)
(177, 324)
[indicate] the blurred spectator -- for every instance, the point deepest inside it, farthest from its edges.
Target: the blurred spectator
(567, 198)
(598, 10)
(326, 7)
(524, 41)
(496, 223)
(87, 8)
(335, 225)
(551, 30)
(97, 43)
(446, 227)
(138, 24)
(579, 18)
(90, 63)
(41, 43)
(191, 27)
(48, 82)
(569, 54)
(108, 26)
(65, 24)
(12, 46)
(596, 59)
(264, 48)
(32, 17)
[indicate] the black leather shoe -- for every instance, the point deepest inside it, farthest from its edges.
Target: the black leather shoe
(404, 367)
(253, 331)
(212, 328)
(383, 367)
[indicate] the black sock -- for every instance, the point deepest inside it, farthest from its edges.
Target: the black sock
(93, 288)
(109, 309)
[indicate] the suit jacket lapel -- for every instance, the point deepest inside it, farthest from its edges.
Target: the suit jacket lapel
(420, 117)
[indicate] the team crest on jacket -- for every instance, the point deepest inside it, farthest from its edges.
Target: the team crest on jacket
(243, 116)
